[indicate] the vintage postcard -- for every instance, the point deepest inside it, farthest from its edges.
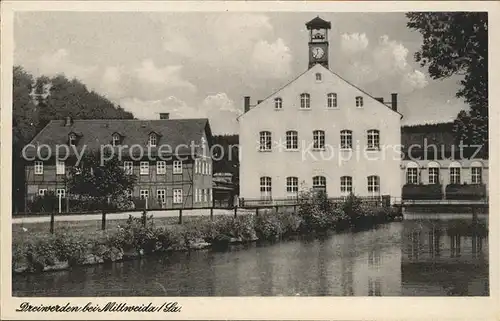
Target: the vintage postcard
(238, 160)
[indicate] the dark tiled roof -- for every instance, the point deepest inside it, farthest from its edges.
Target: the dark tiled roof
(318, 23)
(94, 133)
(439, 134)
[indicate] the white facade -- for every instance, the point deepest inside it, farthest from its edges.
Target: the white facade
(331, 162)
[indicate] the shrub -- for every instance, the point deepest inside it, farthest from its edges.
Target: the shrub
(70, 248)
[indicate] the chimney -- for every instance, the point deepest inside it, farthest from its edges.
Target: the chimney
(381, 99)
(164, 115)
(68, 121)
(247, 103)
(394, 101)
(259, 101)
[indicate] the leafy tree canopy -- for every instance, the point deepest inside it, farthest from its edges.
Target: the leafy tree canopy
(456, 43)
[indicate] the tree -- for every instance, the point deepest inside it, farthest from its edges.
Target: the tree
(100, 182)
(456, 43)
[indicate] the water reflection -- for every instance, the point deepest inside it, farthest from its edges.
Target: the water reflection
(414, 257)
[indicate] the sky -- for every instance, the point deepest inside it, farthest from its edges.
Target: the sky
(195, 64)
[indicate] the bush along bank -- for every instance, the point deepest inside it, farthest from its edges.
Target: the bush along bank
(140, 236)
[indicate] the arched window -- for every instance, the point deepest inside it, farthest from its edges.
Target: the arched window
(433, 168)
(476, 171)
(318, 139)
(292, 186)
(305, 101)
(265, 141)
(359, 101)
(278, 103)
(331, 100)
(346, 185)
(373, 184)
(346, 139)
(116, 139)
(265, 188)
(455, 170)
(72, 139)
(152, 140)
(373, 139)
(292, 140)
(412, 173)
(319, 183)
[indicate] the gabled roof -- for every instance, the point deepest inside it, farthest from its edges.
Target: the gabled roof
(176, 133)
(337, 75)
(318, 23)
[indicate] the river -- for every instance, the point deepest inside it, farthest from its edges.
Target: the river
(416, 257)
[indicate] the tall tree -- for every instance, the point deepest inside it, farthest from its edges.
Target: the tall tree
(456, 43)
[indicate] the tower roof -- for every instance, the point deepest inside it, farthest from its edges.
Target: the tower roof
(318, 23)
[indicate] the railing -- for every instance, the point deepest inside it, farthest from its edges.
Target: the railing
(382, 200)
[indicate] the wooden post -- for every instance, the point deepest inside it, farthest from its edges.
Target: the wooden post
(52, 222)
(474, 215)
(180, 216)
(294, 209)
(103, 222)
(235, 211)
(276, 209)
(212, 214)
(60, 203)
(256, 211)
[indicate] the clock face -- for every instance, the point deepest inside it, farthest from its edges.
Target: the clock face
(318, 52)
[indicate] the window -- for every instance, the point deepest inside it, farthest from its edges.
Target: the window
(318, 139)
(72, 139)
(205, 195)
(373, 139)
(265, 188)
(292, 140)
(197, 195)
(346, 184)
(60, 193)
(197, 165)
(265, 141)
(144, 169)
(143, 194)
(373, 184)
(476, 175)
(318, 76)
(60, 168)
(455, 173)
(177, 196)
(128, 167)
(412, 173)
(210, 196)
(433, 173)
(161, 195)
(42, 191)
(177, 167)
(278, 103)
(209, 169)
(319, 183)
(38, 167)
(292, 186)
(331, 100)
(161, 167)
(374, 287)
(346, 139)
(116, 140)
(359, 101)
(305, 101)
(152, 140)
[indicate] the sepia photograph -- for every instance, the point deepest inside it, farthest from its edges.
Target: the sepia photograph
(247, 154)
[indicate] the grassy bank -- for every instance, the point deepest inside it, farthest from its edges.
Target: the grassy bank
(37, 252)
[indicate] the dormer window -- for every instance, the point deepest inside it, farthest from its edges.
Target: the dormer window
(152, 140)
(116, 140)
(318, 76)
(305, 101)
(359, 101)
(278, 103)
(72, 139)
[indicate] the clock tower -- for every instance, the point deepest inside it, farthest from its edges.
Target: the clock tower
(318, 41)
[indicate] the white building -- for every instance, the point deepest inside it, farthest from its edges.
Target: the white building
(320, 131)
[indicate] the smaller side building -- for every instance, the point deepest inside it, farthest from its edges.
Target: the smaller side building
(435, 166)
(170, 158)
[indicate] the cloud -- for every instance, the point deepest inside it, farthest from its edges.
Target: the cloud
(169, 76)
(385, 65)
(218, 108)
(178, 44)
(58, 62)
(354, 42)
(271, 59)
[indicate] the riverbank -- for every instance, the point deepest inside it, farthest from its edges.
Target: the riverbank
(138, 237)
